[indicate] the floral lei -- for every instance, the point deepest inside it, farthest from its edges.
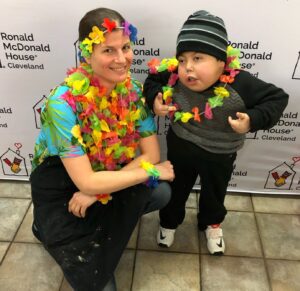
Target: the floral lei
(97, 35)
(107, 128)
(231, 70)
(107, 124)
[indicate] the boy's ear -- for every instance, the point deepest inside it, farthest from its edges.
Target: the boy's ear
(88, 60)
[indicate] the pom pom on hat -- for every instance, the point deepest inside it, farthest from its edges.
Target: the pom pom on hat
(203, 32)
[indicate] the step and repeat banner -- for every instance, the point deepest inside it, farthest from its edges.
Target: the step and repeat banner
(38, 42)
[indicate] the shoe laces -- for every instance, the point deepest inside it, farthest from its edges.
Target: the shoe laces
(167, 231)
(214, 233)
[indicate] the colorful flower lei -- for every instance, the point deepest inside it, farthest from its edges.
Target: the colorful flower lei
(231, 70)
(107, 128)
(97, 35)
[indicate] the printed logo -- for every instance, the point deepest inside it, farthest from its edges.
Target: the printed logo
(161, 236)
(37, 108)
(281, 177)
(13, 164)
(220, 244)
(21, 51)
(296, 73)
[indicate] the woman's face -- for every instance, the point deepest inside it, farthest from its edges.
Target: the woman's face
(111, 59)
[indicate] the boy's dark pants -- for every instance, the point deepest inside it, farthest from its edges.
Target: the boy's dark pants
(215, 172)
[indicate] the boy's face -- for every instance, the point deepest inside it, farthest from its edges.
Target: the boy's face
(198, 71)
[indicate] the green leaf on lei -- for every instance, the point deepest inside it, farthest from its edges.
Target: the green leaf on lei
(95, 122)
(118, 152)
(177, 116)
(215, 101)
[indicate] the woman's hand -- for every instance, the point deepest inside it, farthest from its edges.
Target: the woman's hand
(160, 108)
(166, 171)
(241, 124)
(80, 202)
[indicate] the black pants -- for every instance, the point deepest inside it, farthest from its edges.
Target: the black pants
(87, 249)
(215, 172)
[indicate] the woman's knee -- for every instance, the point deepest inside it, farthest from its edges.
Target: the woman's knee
(163, 194)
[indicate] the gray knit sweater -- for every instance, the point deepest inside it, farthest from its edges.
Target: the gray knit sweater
(214, 135)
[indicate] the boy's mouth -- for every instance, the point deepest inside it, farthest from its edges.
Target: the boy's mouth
(191, 79)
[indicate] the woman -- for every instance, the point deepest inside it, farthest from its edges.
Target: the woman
(92, 126)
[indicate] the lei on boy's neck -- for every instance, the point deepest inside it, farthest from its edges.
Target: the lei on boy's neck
(96, 36)
(231, 69)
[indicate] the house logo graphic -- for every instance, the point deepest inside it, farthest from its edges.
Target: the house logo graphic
(37, 109)
(77, 54)
(296, 73)
(13, 164)
(282, 176)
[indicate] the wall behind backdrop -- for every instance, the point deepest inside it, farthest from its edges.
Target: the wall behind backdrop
(38, 42)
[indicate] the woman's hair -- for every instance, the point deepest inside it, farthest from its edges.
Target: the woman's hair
(95, 18)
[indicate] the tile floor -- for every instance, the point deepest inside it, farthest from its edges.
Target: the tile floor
(262, 236)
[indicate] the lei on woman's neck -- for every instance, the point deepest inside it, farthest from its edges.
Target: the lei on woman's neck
(97, 35)
(107, 128)
(231, 70)
(107, 123)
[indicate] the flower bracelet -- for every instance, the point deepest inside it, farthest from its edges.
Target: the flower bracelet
(152, 172)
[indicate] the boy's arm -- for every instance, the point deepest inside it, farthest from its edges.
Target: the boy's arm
(265, 102)
(153, 85)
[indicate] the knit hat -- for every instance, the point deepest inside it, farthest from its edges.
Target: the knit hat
(203, 32)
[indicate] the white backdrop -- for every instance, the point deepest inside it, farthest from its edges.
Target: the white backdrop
(38, 44)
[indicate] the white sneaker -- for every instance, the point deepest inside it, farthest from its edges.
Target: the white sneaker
(165, 237)
(215, 241)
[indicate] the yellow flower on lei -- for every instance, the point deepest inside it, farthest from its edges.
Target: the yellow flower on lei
(90, 95)
(104, 198)
(186, 116)
(104, 126)
(93, 150)
(130, 152)
(114, 94)
(170, 62)
(97, 136)
(96, 35)
(222, 92)
(135, 115)
(78, 84)
(77, 134)
(104, 103)
(167, 93)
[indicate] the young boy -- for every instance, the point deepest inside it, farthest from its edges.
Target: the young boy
(212, 106)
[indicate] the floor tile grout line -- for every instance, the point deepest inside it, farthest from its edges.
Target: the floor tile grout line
(28, 242)
(21, 198)
(207, 254)
(135, 253)
(197, 192)
(62, 281)
(14, 236)
(262, 246)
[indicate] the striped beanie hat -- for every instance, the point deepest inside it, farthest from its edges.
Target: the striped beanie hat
(203, 32)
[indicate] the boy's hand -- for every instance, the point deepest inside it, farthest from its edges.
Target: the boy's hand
(160, 108)
(241, 124)
(80, 202)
